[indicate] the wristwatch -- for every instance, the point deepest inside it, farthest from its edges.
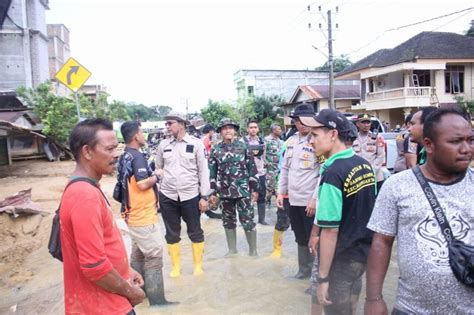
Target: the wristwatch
(322, 280)
(158, 178)
(206, 198)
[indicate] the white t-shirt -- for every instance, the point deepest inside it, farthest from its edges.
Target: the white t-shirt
(426, 284)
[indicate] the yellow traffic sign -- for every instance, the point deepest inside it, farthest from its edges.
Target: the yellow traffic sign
(73, 74)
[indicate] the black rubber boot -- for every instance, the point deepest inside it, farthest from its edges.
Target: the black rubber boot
(304, 266)
(261, 213)
(252, 240)
(212, 215)
(154, 288)
(231, 236)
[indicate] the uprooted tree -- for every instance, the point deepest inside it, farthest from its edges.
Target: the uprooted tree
(58, 114)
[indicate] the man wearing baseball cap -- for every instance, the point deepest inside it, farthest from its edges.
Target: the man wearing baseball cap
(346, 196)
(298, 179)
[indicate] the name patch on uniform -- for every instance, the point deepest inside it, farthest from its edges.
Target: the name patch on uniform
(307, 149)
(189, 148)
(239, 150)
(167, 150)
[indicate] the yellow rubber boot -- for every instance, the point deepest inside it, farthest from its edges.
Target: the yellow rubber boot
(175, 255)
(277, 241)
(198, 251)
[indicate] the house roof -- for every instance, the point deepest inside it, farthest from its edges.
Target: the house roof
(31, 117)
(426, 45)
(319, 92)
(9, 101)
(11, 127)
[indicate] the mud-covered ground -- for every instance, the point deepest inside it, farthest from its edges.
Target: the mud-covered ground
(31, 280)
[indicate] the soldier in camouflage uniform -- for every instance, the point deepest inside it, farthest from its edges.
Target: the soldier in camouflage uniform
(273, 145)
(233, 175)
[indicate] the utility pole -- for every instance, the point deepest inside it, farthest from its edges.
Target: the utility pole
(331, 64)
(330, 54)
(187, 110)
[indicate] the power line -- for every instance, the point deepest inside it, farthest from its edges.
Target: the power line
(429, 20)
(405, 26)
(451, 21)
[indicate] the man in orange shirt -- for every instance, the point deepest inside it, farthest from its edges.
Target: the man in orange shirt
(97, 277)
(139, 209)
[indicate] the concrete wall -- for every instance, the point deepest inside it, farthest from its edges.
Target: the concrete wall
(468, 94)
(280, 82)
(390, 81)
(23, 45)
(59, 53)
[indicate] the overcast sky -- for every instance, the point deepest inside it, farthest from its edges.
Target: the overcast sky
(166, 52)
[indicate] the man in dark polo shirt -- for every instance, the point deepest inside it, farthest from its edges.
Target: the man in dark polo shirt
(346, 196)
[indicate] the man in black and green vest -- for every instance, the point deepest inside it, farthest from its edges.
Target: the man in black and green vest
(346, 196)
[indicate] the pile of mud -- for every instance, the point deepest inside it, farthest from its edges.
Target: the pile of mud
(20, 236)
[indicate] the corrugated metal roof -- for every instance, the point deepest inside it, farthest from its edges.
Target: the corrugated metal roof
(321, 92)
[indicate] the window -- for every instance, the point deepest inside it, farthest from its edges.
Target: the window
(316, 106)
(250, 90)
(424, 78)
(371, 85)
(454, 79)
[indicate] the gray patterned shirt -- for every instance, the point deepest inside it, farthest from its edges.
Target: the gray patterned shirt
(426, 284)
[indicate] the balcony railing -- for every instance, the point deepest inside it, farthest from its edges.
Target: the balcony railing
(406, 92)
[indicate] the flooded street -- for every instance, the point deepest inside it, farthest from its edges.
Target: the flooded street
(31, 280)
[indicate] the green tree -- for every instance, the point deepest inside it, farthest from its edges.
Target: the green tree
(266, 110)
(101, 105)
(470, 31)
(118, 111)
(162, 110)
(466, 105)
(340, 63)
(141, 112)
(215, 111)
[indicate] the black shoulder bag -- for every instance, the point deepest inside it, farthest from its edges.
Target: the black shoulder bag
(54, 244)
(461, 255)
(118, 192)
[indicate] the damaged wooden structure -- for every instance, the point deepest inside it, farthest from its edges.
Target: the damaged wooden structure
(20, 133)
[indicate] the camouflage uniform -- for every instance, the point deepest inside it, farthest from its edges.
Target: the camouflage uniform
(233, 175)
(272, 158)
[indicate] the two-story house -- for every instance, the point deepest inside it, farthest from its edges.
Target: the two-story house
(431, 68)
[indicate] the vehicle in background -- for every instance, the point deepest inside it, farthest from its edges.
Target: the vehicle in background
(390, 149)
(376, 124)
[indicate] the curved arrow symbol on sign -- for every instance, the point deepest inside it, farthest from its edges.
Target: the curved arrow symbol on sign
(72, 71)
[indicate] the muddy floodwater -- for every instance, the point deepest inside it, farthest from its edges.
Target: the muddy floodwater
(31, 281)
